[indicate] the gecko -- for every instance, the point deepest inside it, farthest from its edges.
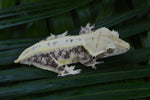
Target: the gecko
(57, 52)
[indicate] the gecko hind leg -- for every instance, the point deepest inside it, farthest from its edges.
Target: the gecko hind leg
(52, 36)
(60, 35)
(66, 70)
(47, 62)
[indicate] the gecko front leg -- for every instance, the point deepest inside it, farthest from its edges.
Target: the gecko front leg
(92, 63)
(87, 29)
(86, 59)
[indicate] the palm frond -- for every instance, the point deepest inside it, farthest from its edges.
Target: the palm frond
(25, 22)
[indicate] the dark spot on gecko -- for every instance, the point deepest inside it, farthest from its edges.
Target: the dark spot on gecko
(75, 50)
(48, 44)
(53, 64)
(83, 32)
(45, 58)
(101, 55)
(127, 49)
(71, 50)
(66, 41)
(71, 40)
(78, 49)
(42, 55)
(60, 53)
(110, 50)
(48, 60)
(67, 55)
(54, 43)
(34, 59)
(53, 55)
(60, 68)
(66, 72)
(92, 38)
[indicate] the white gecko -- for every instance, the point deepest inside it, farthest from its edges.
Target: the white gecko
(56, 52)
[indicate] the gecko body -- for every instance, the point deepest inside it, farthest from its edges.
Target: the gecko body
(57, 52)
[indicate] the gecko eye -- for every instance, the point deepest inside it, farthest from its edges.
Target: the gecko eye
(110, 50)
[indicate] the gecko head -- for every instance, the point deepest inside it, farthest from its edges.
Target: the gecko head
(113, 45)
(119, 47)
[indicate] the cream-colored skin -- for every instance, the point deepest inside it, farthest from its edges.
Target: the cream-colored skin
(101, 41)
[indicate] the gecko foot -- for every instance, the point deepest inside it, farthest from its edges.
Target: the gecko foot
(60, 35)
(52, 36)
(69, 70)
(87, 29)
(93, 62)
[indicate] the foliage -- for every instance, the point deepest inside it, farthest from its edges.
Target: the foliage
(24, 22)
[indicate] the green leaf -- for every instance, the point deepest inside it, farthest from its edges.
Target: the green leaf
(14, 46)
(63, 21)
(26, 13)
(118, 91)
(113, 20)
(7, 3)
(9, 54)
(54, 84)
(134, 28)
(4, 4)
(28, 1)
(24, 73)
(23, 40)
(107, 9)
(121, 77)
(36, 28)
(84, 15)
